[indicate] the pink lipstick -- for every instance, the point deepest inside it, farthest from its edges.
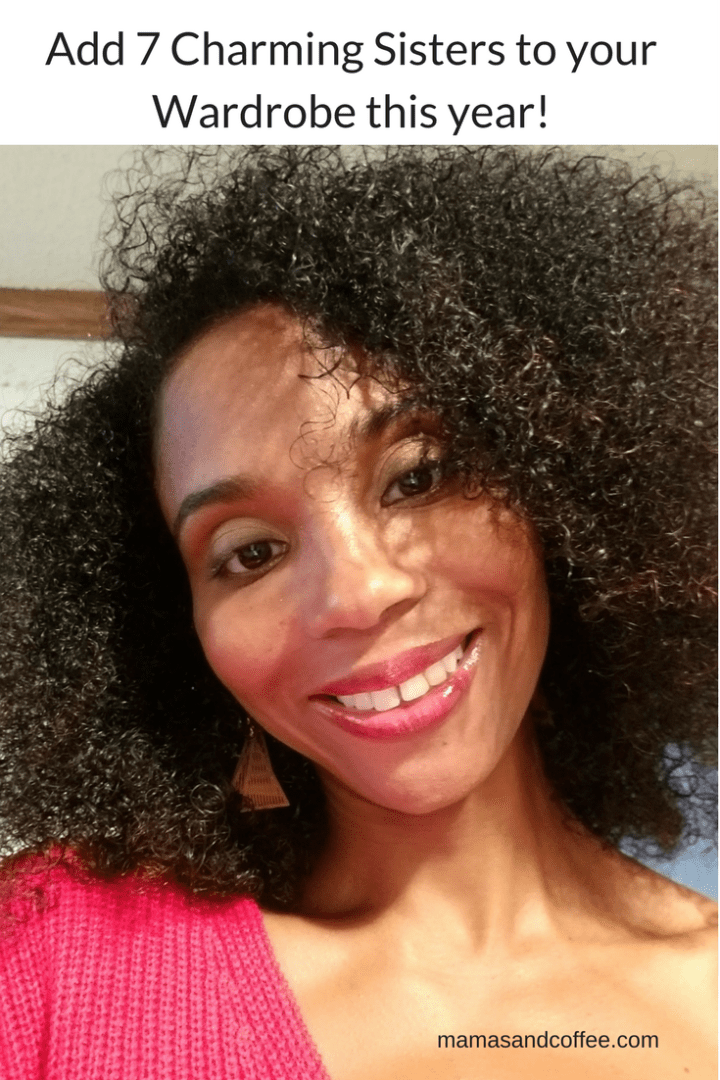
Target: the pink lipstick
(394, 671)
(407, 717)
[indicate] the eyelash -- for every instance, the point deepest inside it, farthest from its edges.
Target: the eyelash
(433, 466)
(220, 565)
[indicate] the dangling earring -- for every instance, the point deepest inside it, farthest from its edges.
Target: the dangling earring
(540, 712)
(254, 778)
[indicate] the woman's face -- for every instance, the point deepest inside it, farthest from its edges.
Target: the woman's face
(336, 579)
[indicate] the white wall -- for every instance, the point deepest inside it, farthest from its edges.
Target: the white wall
(52, 202)
(28, 368)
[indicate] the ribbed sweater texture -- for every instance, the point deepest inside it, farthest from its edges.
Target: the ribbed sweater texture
(133, 980)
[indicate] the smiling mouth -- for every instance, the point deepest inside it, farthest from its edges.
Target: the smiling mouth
(411, 707)
(412, 689)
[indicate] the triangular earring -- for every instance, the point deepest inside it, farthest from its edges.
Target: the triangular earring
(254, 778)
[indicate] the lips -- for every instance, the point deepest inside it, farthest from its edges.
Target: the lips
(410, 717)
(415, 687)
(380, 676)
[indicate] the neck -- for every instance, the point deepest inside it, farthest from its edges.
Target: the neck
(504, 857)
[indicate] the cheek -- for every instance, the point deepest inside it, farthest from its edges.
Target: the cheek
(498, 559)
(246, 648)
(497, 566)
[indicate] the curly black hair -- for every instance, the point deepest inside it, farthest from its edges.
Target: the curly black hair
(555, 313)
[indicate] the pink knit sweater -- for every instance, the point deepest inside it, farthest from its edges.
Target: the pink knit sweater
(136, 981)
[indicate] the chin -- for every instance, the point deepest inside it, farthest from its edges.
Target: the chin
(420, 795)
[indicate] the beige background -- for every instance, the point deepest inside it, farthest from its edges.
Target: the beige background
(54, 196)
(53, 201)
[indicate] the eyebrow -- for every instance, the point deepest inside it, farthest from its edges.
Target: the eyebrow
(237, 488)
(231, 489)
(377, 420)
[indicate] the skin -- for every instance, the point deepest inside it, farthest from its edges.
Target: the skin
(313, 552)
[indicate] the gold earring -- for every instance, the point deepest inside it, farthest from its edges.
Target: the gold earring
(254, 778)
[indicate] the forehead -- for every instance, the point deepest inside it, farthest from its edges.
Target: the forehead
(250, 394)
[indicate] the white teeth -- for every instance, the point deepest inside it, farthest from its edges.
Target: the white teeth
(450, 663)
(414, 688)
(385, 699)
(410, 690)
(363, 702)
(436, 673)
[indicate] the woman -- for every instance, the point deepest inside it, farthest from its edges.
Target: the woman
(404, 463)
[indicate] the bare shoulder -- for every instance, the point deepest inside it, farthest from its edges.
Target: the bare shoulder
(674, 930)
(659, 907)
(690, 937)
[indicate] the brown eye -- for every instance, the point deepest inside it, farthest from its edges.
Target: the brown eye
(418, 481)
(249, 558)
(252, 556)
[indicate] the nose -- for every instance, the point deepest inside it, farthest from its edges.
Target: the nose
(358, 575)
